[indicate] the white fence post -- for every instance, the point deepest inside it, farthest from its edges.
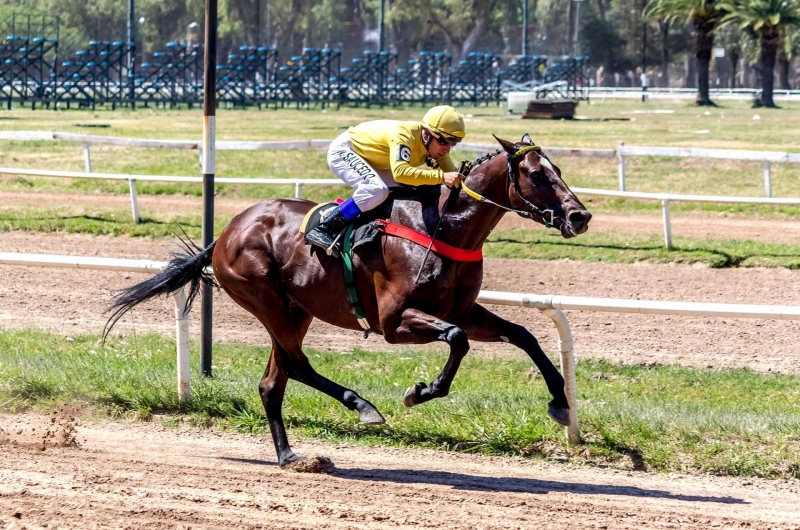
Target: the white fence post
(87, 157)
(565, 348)
(621, 166)
(182, 346)
(200, 156)
(298, 190)
(768, 178)
(134, 200)
(667, 227)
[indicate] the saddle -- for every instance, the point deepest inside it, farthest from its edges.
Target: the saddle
(368, 227)
(365, 229)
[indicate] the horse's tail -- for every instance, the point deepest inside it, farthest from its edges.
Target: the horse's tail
(184, 268)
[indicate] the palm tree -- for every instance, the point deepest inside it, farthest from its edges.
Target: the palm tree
(788, 50)
(704, 16)
(766, 18)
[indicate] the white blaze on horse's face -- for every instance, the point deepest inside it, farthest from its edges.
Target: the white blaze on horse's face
(545, 163)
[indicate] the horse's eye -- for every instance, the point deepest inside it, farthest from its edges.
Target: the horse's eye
(538, 176)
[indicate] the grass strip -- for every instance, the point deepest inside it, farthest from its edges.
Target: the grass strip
(664, 418)
(628, 248)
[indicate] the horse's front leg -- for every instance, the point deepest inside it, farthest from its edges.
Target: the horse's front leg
(416, 327)
(484, 326)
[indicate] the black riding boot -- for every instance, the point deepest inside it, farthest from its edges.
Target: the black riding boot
(325, 233)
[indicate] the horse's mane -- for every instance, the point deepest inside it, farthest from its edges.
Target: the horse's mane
(485, 158)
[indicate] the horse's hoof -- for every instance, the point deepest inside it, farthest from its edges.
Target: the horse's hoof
(317, 464)
(412, 396)
(558, 413)
(371, 417)
(290, 459)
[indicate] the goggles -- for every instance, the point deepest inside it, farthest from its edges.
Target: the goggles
(445, 140)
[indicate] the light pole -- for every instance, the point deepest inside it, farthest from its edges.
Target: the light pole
(644, 54)
(381, 41)
(131, 51)
(577, 26)
(524, 27)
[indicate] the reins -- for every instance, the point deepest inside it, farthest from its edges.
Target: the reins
(511, 176)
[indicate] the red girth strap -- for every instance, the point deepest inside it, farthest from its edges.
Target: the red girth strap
(441, 248)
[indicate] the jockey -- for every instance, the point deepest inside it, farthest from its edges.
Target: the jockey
(376, 155)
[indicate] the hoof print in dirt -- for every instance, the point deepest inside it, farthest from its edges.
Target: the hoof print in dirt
(316, 464)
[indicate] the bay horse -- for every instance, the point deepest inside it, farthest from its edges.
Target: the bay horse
(261, 261)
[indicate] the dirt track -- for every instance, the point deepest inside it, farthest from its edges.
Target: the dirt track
(147, 476)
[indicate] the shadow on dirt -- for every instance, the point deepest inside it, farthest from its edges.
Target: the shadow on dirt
(508, 484)
(516, 485)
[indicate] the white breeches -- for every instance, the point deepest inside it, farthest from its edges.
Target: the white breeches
(370, 186)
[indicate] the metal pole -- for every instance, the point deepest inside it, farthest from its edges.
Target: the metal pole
(768, 178)
(87, 158)
(565, 348)
(524, 27)
(577, 26)
(381, 41)
(134, 201)
(667, 227)
(644, 55)
(131, 51)
(258, 23)
(182, 346)
(209, 151)
(621, 166)
(269, 35)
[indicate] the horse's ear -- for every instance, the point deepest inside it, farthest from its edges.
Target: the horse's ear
(527, 139)
(508, 146)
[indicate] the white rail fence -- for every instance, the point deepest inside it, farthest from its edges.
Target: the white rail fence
(298, 184)
(675, 93)
(553, 306)
(767, 158)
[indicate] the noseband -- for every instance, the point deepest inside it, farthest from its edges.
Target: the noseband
(513, 177)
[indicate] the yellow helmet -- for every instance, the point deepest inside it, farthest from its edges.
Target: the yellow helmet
(446, 121)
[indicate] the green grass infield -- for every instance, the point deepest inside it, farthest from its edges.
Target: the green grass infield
(653, 417)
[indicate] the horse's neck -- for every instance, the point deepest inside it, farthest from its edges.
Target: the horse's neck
(469, 223)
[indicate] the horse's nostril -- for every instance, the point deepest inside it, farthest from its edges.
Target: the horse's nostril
(579, 217)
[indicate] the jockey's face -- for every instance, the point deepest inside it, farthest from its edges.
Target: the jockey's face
(437, 147)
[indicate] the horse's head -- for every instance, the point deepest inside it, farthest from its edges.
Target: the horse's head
(534, 186)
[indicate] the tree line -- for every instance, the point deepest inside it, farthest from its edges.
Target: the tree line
(621, 37)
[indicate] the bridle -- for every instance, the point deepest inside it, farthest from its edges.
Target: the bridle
(512, 176)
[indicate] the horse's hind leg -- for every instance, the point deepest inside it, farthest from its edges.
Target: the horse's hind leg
(272, 388)
(484, 326)
(417, 327)
(288, 361)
